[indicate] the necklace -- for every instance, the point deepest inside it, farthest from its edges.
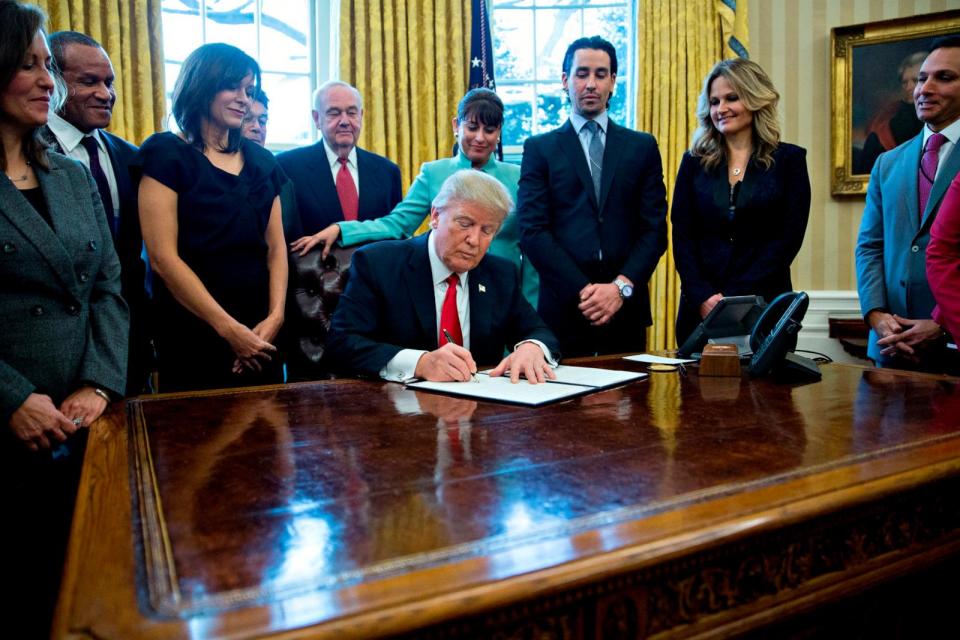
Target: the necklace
(737, 171)
(21, 178)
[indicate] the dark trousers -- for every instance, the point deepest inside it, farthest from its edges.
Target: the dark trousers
(37, 497)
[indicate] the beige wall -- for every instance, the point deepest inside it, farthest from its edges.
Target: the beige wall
(791, 40)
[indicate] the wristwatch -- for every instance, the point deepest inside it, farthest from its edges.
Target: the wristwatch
(626, 289)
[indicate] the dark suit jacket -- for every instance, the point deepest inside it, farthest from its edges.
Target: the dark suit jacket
(317, 201)
(573, 240)
(389, 305)
(129, 247)
(750, 254)
(64, 320)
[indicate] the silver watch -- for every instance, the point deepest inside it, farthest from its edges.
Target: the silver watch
(626, 289)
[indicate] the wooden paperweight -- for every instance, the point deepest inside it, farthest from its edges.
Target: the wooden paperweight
(721, 360)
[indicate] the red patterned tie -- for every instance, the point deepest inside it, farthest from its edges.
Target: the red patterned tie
(928, 168)
(449, 318)
(347, 192)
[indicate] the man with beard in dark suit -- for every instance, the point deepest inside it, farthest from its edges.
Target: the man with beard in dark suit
(592, 210)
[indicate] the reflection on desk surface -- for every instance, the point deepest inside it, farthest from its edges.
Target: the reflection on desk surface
(317, 486)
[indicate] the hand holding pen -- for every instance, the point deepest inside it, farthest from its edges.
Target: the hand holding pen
(449, 363)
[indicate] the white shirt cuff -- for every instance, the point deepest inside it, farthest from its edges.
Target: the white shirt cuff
(402, 366)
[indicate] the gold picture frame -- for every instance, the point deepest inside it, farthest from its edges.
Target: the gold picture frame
(870, 69)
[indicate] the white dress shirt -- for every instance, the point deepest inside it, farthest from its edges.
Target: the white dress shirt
(578, 122)
(69, 137)
(334, 161)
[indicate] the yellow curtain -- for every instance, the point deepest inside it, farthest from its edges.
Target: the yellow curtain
(678, 43)
(408, 59)
(131, 34)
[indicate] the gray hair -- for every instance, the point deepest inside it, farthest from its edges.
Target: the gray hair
(470, 185)
(322, 90)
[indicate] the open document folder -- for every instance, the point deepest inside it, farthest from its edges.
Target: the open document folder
(570, 382)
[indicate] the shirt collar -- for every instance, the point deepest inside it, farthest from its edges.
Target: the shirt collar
(578, 121)
(439, 271)
(951, 132)
(463, 162)
(334, 160)
(68, 135)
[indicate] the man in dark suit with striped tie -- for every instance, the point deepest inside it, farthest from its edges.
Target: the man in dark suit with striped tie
(592, 209)
(77, 130)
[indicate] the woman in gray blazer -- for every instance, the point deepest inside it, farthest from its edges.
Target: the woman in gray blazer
(63, 350)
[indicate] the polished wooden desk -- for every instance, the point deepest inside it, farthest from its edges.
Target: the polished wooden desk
(674, 506)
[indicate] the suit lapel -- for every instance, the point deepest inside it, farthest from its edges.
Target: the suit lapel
(365, 196)
(611, 158)
(324, 188)
(481, 312)
(22, 216)
(944, 177)
(420, 287)
(911, 166)
(570, 143)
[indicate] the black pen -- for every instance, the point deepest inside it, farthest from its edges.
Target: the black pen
(473, 374)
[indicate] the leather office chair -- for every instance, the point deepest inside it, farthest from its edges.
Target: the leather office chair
(316, 286)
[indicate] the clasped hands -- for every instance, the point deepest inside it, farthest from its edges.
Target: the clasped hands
(253, 345)
(902, 337)
(38, 423)
(453, 363)
(599, 302)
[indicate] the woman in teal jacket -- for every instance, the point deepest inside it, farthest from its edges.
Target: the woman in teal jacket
(477, 127)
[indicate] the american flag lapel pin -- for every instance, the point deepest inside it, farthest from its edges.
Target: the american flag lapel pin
(482, 288)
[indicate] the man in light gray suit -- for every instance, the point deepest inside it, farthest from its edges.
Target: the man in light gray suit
(906, 186)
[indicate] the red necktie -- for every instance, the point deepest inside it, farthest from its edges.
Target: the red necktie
(347, 191)
(449, 318)
(928, 168)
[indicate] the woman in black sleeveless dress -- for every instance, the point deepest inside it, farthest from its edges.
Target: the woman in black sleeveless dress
(211, 221)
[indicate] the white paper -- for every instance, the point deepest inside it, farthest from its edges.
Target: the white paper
(571, 381)
(593, 377)
(502, 390)
(651, 359)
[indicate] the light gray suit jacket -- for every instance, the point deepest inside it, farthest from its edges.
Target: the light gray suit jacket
(892, 245)
(64, 321)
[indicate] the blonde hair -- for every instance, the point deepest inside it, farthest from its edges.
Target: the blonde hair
(757, 94)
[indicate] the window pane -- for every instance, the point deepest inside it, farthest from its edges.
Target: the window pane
(518, 113)
(232, 22)
(551, 107)
(612, 23)
(284, 34)
(513, 46)
(290, 122)
(182, 18)
(556, 29)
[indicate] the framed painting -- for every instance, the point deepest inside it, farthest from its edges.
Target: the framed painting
(874, 72)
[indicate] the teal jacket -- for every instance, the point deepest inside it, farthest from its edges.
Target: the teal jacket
(407, 216)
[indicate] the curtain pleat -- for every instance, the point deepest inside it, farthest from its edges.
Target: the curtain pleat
(130, 32)
(408, 59)
(679, 41)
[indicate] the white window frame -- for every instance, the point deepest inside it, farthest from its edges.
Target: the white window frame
(322, 46)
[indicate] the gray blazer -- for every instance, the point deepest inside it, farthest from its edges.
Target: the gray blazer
(892, 245)
(64, 321)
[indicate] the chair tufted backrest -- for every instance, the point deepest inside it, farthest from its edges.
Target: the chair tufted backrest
(316, 285)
